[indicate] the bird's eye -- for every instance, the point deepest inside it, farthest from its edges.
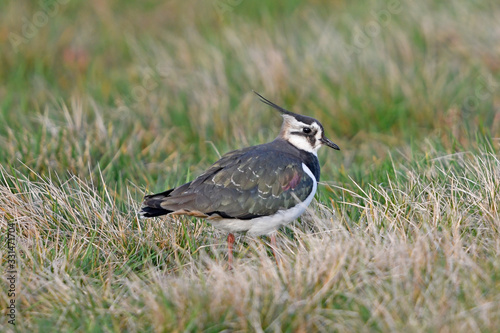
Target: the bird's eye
(306, 130)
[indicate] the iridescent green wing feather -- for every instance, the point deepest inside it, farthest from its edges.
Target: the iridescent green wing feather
(245, 184)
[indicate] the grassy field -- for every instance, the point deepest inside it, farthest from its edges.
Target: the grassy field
(102, 102)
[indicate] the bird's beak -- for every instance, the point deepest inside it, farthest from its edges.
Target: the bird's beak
(329, 143)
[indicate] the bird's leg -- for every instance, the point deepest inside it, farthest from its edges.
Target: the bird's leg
(274, 248)
(230, 243)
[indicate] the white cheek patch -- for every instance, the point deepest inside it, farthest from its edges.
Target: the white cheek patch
(318, 140)
(302, 143)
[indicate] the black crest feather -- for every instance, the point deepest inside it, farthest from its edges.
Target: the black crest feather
(304, 119)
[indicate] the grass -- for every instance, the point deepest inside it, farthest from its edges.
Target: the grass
(106, 102)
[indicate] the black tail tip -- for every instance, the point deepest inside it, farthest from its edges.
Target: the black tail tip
(147, 211)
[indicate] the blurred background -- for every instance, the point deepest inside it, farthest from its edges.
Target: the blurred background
(150, 91)
(102, 102)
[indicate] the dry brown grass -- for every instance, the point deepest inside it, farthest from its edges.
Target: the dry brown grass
(111, 100)
(421, 257)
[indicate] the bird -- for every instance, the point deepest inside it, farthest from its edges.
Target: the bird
(254, 190)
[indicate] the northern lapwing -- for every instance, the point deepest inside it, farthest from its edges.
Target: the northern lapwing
(256, 189)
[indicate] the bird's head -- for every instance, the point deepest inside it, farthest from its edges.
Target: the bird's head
(303, 132)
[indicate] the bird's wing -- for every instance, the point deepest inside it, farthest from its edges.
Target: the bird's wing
(244, 184)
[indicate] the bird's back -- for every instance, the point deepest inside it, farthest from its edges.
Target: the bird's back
(244, 184)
